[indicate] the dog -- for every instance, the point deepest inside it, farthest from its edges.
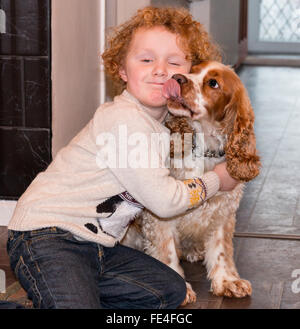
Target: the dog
(211, 100)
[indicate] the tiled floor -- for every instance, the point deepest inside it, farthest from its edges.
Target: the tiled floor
(271, 203)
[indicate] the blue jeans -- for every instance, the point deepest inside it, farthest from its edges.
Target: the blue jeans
(58, 271)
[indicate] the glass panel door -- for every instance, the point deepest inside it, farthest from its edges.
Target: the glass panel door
(274, 26)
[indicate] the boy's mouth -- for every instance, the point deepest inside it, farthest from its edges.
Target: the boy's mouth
(156, 83)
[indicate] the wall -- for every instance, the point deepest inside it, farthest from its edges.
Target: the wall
(170, 3)
(75, 67)
(222, 22)
(224, 27)
(201, 12)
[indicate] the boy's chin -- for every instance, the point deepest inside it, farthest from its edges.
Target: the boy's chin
(158, 102)
(156, 99)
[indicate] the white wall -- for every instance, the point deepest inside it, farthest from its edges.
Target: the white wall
(201, 12)
(127, 8)
(221, 19)
(224, 27)
(75, 67)
(119, 11)
(170, 3)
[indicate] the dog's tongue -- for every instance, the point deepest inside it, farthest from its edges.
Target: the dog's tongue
(171, 89)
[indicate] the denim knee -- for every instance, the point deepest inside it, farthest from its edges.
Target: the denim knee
(175, 292)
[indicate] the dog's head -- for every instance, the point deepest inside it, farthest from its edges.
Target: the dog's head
(213, 91)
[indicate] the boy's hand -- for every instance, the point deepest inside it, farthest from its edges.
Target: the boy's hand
(227, 183)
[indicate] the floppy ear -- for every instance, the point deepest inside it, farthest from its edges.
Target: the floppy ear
(241, 155)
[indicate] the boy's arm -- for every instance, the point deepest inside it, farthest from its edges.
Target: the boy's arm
(154, 188)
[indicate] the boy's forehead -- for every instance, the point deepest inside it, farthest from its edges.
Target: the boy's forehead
(149, 38)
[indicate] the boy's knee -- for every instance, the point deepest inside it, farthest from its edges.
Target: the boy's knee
(176, 292)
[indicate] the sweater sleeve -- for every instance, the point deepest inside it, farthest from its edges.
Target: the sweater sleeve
(125, 140)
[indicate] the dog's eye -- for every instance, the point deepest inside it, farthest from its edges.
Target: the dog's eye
(213, 83)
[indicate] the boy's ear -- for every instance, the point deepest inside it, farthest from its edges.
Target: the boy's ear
(123, 74)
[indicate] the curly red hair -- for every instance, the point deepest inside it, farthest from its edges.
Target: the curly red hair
(195, 41)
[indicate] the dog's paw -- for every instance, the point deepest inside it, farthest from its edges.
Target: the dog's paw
(191, 296)
(232, 288)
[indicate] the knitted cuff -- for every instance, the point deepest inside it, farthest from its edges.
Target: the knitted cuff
(212, 183)
(201, 189)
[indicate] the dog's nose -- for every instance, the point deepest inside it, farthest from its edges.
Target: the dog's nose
(181, 79)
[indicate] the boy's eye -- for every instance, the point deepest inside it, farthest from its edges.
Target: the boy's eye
(146, 60)
(173, 63)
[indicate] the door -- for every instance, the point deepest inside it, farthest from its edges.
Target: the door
(274, 26)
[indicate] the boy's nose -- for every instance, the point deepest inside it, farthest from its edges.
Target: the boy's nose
(160, 70)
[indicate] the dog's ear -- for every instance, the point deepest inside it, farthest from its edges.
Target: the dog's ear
(243, 162)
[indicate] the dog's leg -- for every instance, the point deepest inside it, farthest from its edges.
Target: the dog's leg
(161, 245)
(169, 256)
(134, 237)
(220, 263)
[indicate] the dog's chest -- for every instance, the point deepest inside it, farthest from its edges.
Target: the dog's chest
(207, 151)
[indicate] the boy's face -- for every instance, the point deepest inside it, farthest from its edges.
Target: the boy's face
(154, 56)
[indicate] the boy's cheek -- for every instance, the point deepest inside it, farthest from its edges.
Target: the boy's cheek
(184, 70)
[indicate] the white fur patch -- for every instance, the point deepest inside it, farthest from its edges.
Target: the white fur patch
(174, 261)
(200, 110)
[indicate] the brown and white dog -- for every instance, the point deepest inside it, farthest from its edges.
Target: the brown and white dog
(213, 101)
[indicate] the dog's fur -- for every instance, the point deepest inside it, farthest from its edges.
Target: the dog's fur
(224, 115)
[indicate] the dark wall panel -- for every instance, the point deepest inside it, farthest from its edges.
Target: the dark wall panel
(25, 94)
(27, 28)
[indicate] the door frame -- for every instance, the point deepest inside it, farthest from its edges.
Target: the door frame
(243, 33)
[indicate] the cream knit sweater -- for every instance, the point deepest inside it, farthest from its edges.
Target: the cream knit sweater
(67, 193)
